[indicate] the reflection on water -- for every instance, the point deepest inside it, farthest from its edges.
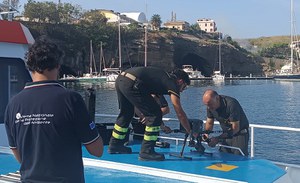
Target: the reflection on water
(265, 102)
(85, 85)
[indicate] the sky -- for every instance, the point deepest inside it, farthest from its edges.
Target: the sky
(239, 19)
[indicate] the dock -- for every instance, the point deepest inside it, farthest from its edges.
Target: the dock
(235, 78)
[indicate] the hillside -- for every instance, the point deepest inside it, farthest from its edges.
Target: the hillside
(256, 44)
(264, 42)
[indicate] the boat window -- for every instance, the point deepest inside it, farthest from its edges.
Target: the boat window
(13, 76)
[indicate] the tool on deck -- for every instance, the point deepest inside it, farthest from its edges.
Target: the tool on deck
(182, 150)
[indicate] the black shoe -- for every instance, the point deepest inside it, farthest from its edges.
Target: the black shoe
(153, 156)
(119, 150)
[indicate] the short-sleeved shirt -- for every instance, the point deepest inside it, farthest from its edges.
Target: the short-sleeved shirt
(155, 80)
(230, 110)
(162, 101)
(48, 124)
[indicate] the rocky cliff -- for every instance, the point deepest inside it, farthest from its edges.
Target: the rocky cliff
(169, 51)
(165, 49)
(203, 54)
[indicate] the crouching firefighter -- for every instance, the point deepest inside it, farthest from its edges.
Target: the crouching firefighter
(134, 88)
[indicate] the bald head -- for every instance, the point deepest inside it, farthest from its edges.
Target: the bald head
(211, 99)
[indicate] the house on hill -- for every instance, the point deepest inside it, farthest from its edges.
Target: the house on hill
(179, 25)
(207, 25)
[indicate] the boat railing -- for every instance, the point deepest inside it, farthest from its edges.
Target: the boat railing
(252, 129)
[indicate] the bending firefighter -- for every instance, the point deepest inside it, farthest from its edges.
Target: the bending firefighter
(233, 121)
(139, 125)
(134, 88)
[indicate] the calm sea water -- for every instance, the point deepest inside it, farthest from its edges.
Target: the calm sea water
(265, 102)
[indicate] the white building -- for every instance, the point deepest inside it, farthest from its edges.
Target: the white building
(140, 17)
(207, 25)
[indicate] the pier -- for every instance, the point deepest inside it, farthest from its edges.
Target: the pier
(236, 78)
(202, 78)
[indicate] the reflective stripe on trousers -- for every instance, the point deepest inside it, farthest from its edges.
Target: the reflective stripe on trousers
(119, 132)
(151, 133)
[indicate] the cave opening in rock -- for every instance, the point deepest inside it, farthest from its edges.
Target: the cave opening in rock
(197, 62)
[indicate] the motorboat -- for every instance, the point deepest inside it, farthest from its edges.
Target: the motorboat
(193, 74)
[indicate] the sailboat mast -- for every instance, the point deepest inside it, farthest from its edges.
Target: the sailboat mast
(146, 44)
(91, 57)
(101, 55)
(119, 29)
(220, 64)
(292, 29)
(146, 37)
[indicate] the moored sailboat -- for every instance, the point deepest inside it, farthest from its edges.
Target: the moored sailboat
(290, 71)
(113, 73)
(217, 75)
(93, 75)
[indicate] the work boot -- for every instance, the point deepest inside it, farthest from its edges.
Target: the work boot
(148, 154)
(116, 146)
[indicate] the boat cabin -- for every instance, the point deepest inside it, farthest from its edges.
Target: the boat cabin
(15, 39)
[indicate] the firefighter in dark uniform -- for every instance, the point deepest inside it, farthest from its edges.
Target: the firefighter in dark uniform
(233, 122)
(139, 127)
(135, 87)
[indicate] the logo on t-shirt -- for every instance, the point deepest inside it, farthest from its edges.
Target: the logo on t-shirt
(18, 115)
(92, 125)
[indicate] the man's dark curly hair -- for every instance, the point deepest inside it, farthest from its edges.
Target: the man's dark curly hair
(43, 55)
(180, 74)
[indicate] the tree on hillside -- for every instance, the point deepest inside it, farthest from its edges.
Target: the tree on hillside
(94, 17)
(41, 11)
(68, 13)
(195, 27)
(34, 11)
(93, 23)
(156, 21)
(13, 3)
(50, 12)
(280, 51)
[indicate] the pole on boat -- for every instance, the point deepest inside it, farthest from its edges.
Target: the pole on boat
(90, 102)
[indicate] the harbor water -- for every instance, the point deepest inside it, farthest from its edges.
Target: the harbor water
(265, 102)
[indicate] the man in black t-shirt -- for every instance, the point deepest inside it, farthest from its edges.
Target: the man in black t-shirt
(135, 87)
(47, 124)
(232, 118)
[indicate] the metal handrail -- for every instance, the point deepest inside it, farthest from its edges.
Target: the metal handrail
(252, 126)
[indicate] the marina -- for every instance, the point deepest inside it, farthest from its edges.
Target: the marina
(195, 79)
(256, 96)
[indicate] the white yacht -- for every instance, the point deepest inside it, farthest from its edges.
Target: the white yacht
(193, 74)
